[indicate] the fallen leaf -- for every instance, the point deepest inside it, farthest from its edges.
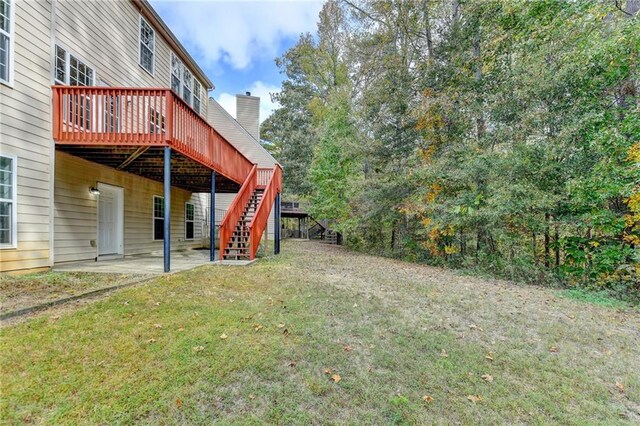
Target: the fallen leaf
(178, 403)
(252, 396)
(151, 340)
(157, 303)
(428, 399)
(620, 387)
(181, 329)
(285, 332)
(327, 371)
(157, 325)
(257, 327)
(336, 378)
(55, 317)
(126, 303)
(281, 325)
(444, 354)
(197, 348)
(370, 369)
(355, 305)
(489, 356)
(292, 364)
(475, 327)
(474, 398)
(348, 348)
(223, 336)
(553, 349)
(487, 378)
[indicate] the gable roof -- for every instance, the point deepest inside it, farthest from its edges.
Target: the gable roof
(237, 135)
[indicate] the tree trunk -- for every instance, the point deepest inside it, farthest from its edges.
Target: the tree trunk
(533, 248)
(547, 241)
(557, 248)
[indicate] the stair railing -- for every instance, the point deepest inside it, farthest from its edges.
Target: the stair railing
(261, 217)
(236, 209)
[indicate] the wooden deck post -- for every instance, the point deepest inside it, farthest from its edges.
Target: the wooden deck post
(167, 209)
(212, 218)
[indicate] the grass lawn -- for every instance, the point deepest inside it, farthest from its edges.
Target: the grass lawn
(24, 291)
(323, 335)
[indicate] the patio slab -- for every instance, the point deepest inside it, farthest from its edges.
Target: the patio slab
(149, 263)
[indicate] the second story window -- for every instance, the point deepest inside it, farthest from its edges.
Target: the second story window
(71, 70)
(197, 90)
(147, 46)
(185, 84)
(6, 40)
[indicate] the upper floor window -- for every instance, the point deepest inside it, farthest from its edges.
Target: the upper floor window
(197, 90)
(185, 84)
(8, 197)
(71, 70)
(6, 40)
(147, 45)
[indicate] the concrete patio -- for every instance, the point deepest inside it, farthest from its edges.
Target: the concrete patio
(149, 263)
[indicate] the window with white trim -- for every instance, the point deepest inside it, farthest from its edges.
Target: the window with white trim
(176, 74)
(8, 198)
(158, 217)
(189, 221)
(6, 40)
(187, 86)
(197, 90)
(184, 84)
(71, 70)
(156, 121)
(147, 46)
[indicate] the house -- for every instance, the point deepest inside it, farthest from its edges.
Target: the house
(106, 147)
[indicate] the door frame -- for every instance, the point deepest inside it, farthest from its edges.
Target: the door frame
(120, 222)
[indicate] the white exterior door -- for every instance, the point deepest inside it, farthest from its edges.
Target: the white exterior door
(110, 220)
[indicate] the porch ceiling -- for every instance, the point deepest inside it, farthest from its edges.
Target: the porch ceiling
(185, 172)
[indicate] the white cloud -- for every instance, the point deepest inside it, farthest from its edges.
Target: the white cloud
(258, 88)
(237, 31)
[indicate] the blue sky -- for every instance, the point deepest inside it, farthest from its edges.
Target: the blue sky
(236, 42)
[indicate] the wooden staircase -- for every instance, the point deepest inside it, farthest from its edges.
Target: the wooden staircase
(238, 247)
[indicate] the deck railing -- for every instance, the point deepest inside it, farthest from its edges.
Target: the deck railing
(142, 116)
(261, 217)
(236, 209)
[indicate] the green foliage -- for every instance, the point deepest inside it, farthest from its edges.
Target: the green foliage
(497, 135)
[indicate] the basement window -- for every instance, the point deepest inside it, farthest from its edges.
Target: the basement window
(189, 221)
(158, 218)
(8, 198)
(147, 46)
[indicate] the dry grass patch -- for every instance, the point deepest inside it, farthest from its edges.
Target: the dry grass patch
(265, 343)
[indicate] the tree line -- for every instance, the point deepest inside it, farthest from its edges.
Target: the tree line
(499, 136)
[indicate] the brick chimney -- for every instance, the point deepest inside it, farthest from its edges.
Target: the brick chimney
(248, 113)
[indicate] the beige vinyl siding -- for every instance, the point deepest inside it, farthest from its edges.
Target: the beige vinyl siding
(76, 211)
(232, 131)
(106, 34)
(25, 132)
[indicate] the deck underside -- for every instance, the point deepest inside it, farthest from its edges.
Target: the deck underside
(148, 162)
